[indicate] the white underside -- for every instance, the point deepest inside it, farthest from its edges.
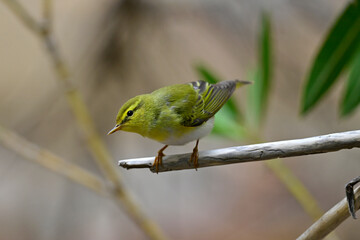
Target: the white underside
(197, 133)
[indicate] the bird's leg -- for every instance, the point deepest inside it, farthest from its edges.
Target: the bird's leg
(195, 155)
(158, 159)
(350, 196)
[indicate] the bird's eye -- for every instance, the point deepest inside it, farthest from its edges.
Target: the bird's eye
(130, 113)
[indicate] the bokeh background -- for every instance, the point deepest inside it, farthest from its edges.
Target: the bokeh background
(118, 49)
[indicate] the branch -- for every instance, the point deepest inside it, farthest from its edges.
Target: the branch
(47, 7)
(330, 220)
(50, 161)
(24, 16)
(256, 152)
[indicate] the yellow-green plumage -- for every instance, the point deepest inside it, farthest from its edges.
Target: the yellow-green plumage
(177, 114)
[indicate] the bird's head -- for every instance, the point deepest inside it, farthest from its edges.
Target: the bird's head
(131, 116)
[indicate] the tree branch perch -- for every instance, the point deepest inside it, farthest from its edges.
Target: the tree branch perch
(256, 152)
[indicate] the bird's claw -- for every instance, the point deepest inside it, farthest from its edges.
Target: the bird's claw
(194, 158)
(350, 196)
(158, 161)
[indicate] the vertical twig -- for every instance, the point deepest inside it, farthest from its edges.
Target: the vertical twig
(47, 14)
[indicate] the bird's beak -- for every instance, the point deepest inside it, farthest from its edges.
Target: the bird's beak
(116, 128)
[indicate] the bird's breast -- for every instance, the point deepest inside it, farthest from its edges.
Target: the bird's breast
(180, 135)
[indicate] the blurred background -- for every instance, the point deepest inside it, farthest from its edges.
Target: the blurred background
(118, 49)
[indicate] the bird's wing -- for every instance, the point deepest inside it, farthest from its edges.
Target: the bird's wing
(210, 98)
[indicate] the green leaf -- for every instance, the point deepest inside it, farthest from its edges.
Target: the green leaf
(209, 76)
(206, 74)
(227, 126)
(253, 110)
(265, 60)
(259, 91)
(335, 53)
(351, 98)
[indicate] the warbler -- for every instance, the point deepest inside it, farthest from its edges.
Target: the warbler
(176, 114)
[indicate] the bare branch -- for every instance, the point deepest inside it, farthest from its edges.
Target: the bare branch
(256, 152)
(24, 16)
(50, 161)
(47, 7)
(330, 220)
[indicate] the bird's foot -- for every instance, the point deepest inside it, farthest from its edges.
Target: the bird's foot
(158, 159)
(195, 156)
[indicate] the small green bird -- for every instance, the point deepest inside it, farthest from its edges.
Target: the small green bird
(177, 114)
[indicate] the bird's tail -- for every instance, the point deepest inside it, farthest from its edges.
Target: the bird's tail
(240, 83)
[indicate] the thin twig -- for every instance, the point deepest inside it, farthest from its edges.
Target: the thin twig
(256, 152)
(50, 161)
(82, 115)
(296, 188)
(25, 18)
(47, 14)
(73, 172)
(293, 184)
(330, 220)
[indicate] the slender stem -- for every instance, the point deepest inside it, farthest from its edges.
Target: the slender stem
(293, 184)
(256, 152)
(50, 161)
(296, 188)
(77, 174)
(25, 18)
(48, 14)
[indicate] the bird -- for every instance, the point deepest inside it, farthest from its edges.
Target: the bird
(176, 114)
